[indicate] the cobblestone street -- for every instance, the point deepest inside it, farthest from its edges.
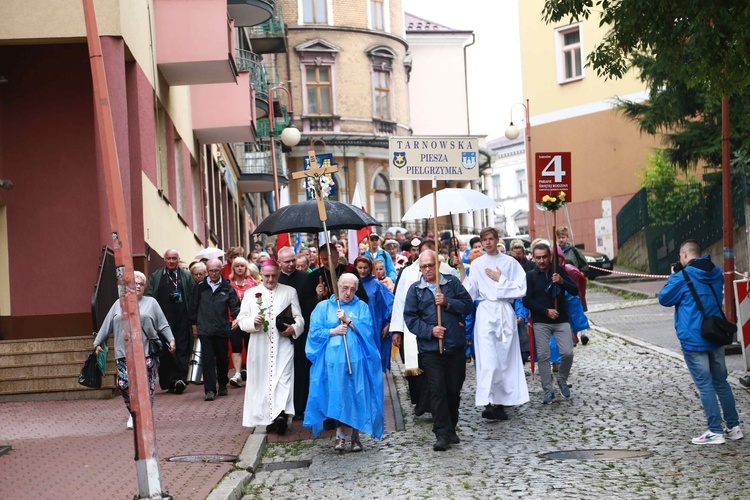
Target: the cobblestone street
(625, 397)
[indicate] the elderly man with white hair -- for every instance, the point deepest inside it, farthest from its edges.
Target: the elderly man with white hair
(173, 288)
(354, 400)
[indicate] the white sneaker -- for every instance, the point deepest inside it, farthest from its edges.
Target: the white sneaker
(709, 437)
(130, 422)
(236, 381)
(735, 433)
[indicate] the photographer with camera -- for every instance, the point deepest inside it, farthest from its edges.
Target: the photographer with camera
(704, 359)
(172, 287)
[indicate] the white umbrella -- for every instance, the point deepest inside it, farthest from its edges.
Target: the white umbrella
(449, 201)
(209, 253)
(395, 229)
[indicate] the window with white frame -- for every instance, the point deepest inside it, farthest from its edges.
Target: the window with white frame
(377, 14)
(521, 180)
(319, 91)
(314, 12)
(569, 42)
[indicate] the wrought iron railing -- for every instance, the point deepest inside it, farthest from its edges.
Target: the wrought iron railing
(633, 217)
(274, 27)
(703, 223)
(255, 159)
(252, 62)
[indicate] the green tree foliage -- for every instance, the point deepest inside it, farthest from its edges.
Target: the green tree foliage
(669, 196)
(690, 53)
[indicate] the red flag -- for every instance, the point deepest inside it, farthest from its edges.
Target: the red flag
(356, 236)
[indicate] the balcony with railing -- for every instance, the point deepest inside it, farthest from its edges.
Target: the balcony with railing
(252, 62)
(270, 36)
(256, 167)
(202, 57)
(250, 12)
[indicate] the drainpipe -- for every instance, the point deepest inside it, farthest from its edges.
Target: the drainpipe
(466, 82)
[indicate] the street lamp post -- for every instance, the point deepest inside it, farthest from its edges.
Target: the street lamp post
(511, 133)
(289, 136)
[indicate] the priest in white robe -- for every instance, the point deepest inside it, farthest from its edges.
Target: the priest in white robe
(269, 392)
(495, 281)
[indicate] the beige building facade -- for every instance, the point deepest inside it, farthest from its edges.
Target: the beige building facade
(348, 68)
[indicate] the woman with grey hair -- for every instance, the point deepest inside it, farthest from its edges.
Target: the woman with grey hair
(352, 399)
(153, 324)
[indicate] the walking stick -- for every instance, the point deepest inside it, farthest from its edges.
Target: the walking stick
(437, 261)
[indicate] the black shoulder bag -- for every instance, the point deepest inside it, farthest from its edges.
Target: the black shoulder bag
(715, 329)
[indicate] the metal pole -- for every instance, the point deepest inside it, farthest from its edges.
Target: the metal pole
(147, 464)
(726, 192)
(272, 127)
(335, 287)
(530, 174)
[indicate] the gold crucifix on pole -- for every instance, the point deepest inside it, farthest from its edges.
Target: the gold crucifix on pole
(314, 175)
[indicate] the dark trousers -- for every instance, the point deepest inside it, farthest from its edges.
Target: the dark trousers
(445, 378)
(173, 366)
(215, 357)
(301, 375)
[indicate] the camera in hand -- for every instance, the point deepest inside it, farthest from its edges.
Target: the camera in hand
(677, 267)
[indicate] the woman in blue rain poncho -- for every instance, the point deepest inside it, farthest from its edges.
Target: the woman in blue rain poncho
(354, 400)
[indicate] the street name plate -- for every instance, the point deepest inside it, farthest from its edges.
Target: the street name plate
(439, 157)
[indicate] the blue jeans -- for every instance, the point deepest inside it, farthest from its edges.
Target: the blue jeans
(709, 372)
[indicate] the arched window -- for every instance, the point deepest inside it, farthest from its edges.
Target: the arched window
(382, 193)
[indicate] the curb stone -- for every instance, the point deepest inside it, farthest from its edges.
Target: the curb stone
(230, 487)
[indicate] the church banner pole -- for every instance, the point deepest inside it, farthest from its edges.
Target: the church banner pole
(437, 261)
(316, 173)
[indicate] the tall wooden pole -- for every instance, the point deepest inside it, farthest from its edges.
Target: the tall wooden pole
(437, 261)
(726, 193)
(147, 464)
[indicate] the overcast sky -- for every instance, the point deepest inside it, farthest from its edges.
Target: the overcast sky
(494, 62)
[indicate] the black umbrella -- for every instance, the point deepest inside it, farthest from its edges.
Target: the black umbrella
(303, 218)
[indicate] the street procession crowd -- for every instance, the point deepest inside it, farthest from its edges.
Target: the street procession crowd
(312, 347)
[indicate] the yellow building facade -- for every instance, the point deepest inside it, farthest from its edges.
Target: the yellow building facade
(574, 110)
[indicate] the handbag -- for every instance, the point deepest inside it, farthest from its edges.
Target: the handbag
(90, 375)
(155, 346)
(715, 329)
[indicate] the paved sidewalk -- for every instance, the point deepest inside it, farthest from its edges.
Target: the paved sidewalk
(625, 397)
(81, 449)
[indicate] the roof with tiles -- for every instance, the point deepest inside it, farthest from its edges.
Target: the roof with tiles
(416, 24)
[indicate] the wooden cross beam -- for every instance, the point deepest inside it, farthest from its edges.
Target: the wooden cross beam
(314, 173)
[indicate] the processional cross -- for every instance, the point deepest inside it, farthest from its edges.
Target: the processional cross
(314, 175)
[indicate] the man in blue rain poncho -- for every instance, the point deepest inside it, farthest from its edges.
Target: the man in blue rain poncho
(355, 400)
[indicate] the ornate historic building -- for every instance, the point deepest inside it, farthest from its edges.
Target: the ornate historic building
(348, 64)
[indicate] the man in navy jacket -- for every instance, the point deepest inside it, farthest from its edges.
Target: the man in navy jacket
(445, 371)
(705, 360)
